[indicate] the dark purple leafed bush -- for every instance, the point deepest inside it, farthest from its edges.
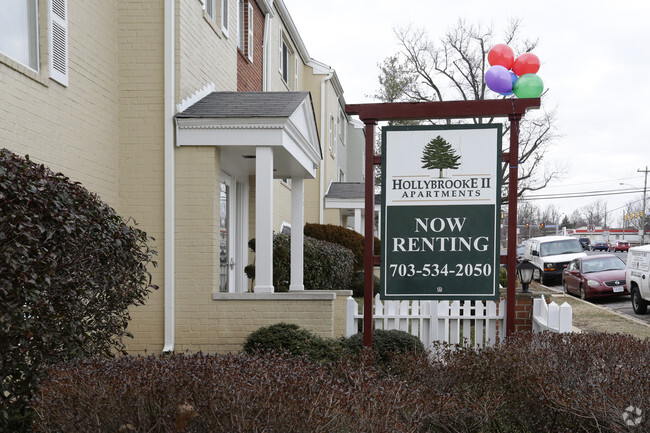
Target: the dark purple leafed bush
(70, 267)
(532, 383)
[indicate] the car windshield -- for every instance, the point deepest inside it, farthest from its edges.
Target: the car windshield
(553, 248)
(602, 264)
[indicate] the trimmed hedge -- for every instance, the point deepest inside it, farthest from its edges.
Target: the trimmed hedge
(296, 341)
(532, 383)
(344, 237)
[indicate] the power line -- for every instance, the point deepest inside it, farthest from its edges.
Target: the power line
(578, 194)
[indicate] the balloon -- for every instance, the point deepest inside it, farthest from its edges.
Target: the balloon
(526, 64)
(501, 55)
(514, 79)
(498, 79)
(528, 86)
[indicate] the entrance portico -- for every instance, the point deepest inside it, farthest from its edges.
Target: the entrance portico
(268, 135)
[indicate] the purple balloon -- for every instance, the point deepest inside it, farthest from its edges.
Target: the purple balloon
(498, 79)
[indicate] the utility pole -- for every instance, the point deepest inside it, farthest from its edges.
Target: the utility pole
(645, 188)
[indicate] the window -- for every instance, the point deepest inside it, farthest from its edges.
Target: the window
(241, 34)
(224, 16)
(342, 127)
(249, 48)
(245, 31)
(331, 137)
(284, 60)
(210, 8)
(19, 31)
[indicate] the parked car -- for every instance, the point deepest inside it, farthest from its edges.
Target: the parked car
(637, 277)
(551, 254)
(619, 246)
(599, 246)
(595, 277)
(585, 242)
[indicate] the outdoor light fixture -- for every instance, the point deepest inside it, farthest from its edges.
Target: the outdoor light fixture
(525, 271)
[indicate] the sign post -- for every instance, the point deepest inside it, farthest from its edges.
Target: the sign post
(370, 114)
(441, 212)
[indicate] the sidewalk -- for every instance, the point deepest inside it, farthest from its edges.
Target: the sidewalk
(588, 317)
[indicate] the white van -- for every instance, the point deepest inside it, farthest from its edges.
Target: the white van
(637, 277)
(551, 254)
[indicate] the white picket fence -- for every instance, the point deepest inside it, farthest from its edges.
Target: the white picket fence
(470, 323)
(552, 317)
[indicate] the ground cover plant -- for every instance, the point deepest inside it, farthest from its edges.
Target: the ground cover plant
(70, 267)
(532, 383)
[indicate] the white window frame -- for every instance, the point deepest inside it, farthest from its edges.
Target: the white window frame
(58, 39)
(29, 53)
(285, 56)
(225, 12)
(331, 143)
(342, 129)
(210, 7)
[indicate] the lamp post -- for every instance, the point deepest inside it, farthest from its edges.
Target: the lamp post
(525, 271)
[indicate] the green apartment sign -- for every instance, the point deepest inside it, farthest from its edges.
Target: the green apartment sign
(439, 215)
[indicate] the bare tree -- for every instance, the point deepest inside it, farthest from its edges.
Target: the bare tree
(595, 213)
(453, 68)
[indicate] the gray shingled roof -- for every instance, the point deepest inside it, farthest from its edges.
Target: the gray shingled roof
(245, 104)
(346, 190)
(349, 190)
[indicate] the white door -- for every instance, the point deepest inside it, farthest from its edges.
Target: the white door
(232, 234)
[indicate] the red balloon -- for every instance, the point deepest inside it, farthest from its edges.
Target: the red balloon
(501, 55)
(527, 63)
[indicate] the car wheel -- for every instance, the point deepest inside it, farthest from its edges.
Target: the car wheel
(565, 288)
(583, 294)
(543, 280)
(639, 305)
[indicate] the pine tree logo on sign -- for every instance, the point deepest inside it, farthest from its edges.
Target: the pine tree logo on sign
(439, 154)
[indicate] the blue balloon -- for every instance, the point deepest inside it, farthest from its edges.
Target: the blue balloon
(498, 79)
(514, 79)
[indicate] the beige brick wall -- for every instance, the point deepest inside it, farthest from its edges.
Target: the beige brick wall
(71, 129)
(223, 325)
(141, 135)
(205, 54)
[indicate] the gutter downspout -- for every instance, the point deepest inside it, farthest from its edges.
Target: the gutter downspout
(169, 81)
(321, 180)
(266, 48)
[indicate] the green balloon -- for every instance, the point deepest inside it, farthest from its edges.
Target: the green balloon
(528, 86)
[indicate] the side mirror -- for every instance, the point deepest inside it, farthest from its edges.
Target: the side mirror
(535, 253)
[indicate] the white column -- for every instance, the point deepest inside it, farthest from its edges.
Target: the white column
(297, 233)
(263, 220)
(358, 227)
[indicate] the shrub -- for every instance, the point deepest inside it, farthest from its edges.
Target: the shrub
(386, 343)
(357, 285)
(503, 277)
(70, 268)
(344, 237)
(327, 266)
(290, 338)
(531, 383)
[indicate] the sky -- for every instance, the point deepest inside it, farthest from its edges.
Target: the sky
(595, 64)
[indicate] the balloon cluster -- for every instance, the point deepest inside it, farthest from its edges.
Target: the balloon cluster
(508, 75)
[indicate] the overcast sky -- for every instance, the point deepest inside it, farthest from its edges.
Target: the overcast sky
(595, 63)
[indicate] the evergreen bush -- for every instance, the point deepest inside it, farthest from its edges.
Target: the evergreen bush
(327, 266)
(70, 267)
